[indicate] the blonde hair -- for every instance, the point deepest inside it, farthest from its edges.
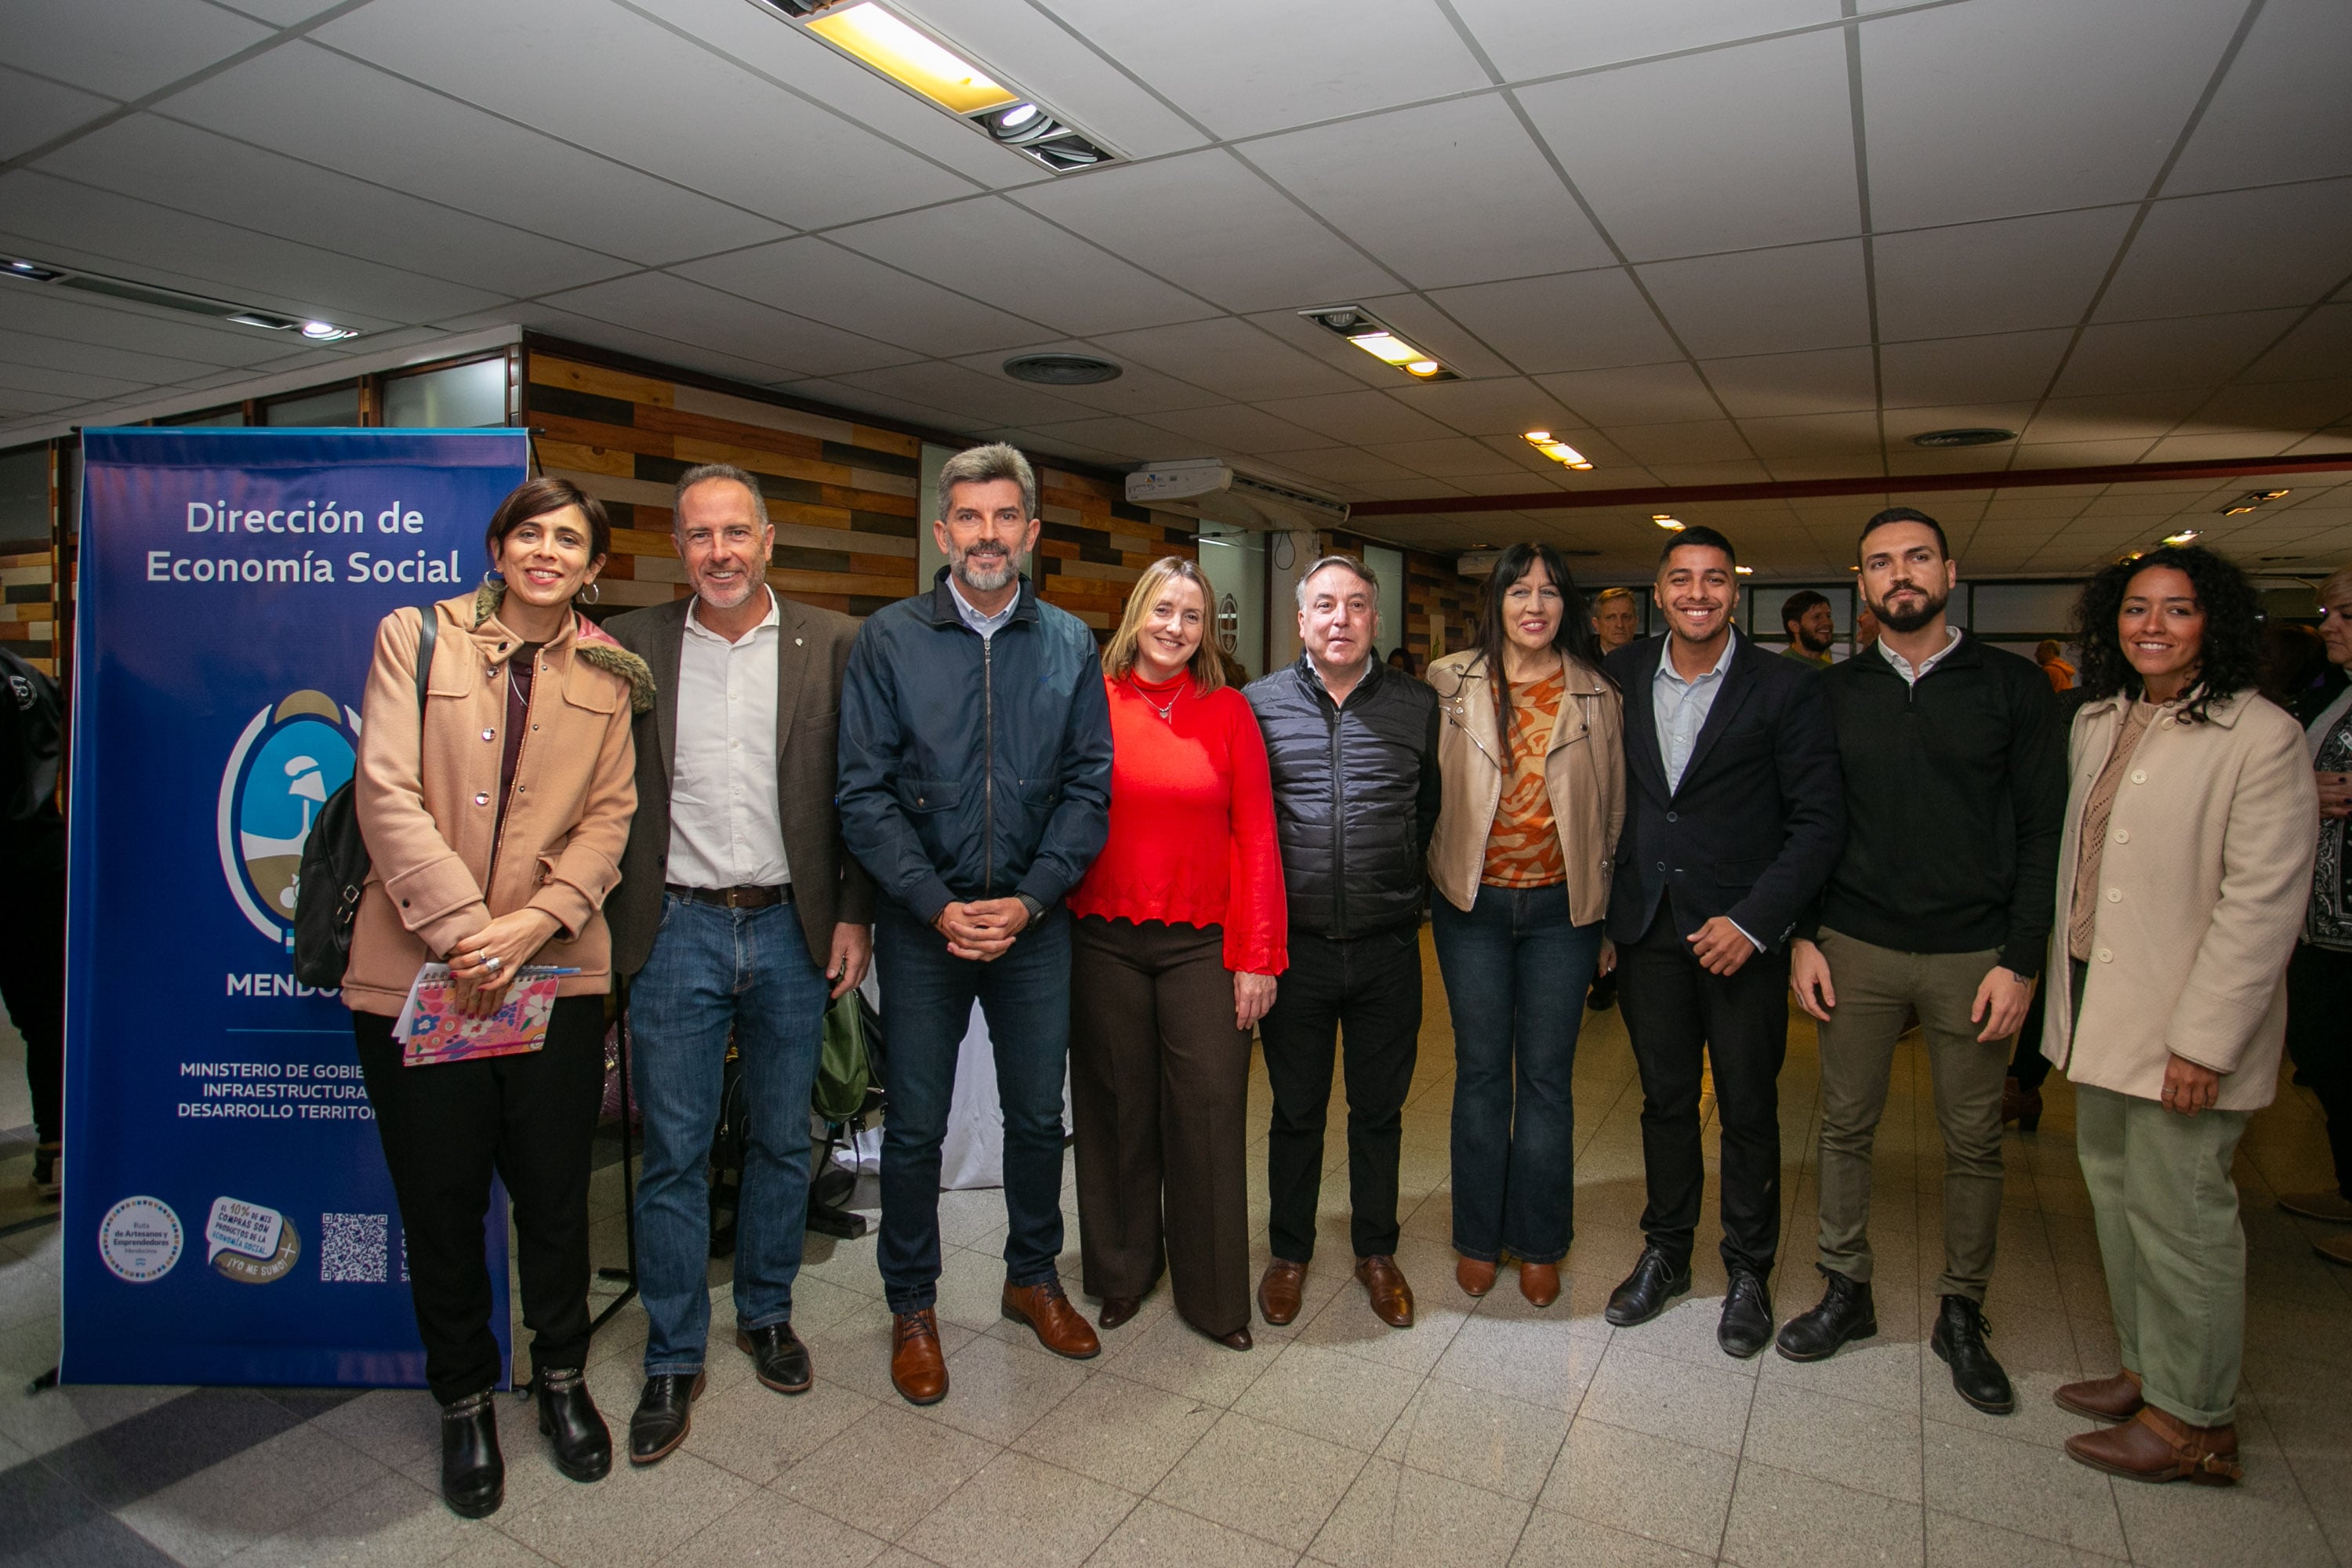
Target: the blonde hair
(2340, 578)
(1118, 655)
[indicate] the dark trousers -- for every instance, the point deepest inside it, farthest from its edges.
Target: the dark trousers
(1364, 994)
(33, 961)
(1514, 1030)
(1682, 1019)
(531, 1118)
(2318, 1019)
(927, 997)
(1160, 1091)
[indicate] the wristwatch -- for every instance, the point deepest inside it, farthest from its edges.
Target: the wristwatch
(1037, 911)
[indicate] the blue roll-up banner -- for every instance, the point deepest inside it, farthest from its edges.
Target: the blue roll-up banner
(228, 1218)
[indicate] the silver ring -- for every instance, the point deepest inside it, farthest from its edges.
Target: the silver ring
(491, 965)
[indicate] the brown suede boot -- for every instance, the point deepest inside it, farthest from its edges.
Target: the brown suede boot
(2112, 1398)
(2155, 1447)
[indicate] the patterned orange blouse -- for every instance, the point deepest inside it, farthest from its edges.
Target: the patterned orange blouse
(1523, 846)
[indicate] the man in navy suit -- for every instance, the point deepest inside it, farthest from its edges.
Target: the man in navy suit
(1734, 819)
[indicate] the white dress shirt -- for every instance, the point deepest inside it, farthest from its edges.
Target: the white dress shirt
(986, 625)
(725, 830)
(1903, 666)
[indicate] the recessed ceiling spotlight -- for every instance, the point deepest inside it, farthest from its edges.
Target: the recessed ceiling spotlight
(1672, 524)
(32, 269)
(327, 331)
(2184, 536)
(1969, 435)
(1060, 370)
(1378, 338)
(1557, 451)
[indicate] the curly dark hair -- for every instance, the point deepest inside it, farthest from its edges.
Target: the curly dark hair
(2231, 659)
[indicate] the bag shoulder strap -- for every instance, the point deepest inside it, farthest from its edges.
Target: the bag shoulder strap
(428, 631)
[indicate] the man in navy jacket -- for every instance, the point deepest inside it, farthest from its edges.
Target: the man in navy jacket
(1734, 818)
(975, 787)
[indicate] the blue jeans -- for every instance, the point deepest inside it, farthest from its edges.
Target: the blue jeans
(1514, 968)
(712, 969)
(927, 997)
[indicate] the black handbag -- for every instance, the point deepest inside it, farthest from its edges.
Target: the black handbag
(334, 869)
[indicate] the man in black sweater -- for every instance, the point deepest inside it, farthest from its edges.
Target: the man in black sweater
(1954, 769)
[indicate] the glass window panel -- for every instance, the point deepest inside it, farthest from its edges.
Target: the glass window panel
(2042, 609)
(217, 416)
(25, 500)
(337, 406)
(461, 398)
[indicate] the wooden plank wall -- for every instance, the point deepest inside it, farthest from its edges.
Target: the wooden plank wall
(1432, 588)
(844, 496)
(28, 608)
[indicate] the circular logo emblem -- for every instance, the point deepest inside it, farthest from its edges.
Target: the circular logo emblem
(289, 759)
(1229, 622)
(139, 1239)
(247, 1271)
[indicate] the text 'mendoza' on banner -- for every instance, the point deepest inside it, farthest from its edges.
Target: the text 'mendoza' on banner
(228, 1218)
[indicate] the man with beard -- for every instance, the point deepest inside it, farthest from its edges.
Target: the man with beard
(1805, 617)
(1954, 769)
(975, 786)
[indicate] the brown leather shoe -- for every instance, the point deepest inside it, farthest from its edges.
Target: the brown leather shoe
(1384, 1283)
(1059, 1326)
(1278, 1290)
(1120, 1309)
(1475, 1275)
(918, 1370)
(2112, 1398)
(1539, 1283)
(2155, 1447)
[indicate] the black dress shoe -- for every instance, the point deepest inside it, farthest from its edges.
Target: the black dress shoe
(1656, 1280)
(1959, 1342)
(664, 1415)
(1747, 1324)
(1845, 1314)
(473, 1471)
(583, 1446)
(1118, 1310)
(779, 1359)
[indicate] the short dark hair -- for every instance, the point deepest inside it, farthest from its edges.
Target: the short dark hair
(1902, 514)
(1703, 536)
(1794, 606)
(537, 497)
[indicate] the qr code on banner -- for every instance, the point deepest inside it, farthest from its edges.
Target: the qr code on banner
(351, 1249)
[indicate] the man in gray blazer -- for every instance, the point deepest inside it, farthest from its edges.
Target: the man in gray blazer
(738, 911)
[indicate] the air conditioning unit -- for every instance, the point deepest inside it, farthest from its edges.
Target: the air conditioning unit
(1215, 491)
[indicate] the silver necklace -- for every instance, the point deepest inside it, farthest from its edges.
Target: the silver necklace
(1162, 710)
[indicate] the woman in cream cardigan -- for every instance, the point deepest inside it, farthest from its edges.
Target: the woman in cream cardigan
(2181, 883)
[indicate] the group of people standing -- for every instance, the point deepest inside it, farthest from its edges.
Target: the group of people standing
(732, 802)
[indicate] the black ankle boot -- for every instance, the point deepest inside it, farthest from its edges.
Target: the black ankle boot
(1959, 1342)
(473, 1472)
(583, 1447)
(1845, 1314)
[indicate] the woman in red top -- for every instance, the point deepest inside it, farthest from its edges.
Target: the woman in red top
(1181, 927)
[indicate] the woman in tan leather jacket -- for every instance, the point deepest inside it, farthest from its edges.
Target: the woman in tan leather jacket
(494, 822)
(1531, 749)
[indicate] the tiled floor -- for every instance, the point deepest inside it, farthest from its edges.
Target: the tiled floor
(1488, 1433)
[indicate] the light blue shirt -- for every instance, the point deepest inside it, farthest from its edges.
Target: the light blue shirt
(986, 625)
(1679, 708)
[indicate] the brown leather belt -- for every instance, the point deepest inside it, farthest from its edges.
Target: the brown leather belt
(737, 898)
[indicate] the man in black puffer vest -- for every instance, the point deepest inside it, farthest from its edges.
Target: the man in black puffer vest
(1353, 751)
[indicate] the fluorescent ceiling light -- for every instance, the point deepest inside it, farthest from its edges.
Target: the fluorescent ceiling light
(1745, 570)
(2183, 537)
(1385, 345)
(171, 299)
(1672, 524)
(1380, 340)
(1557, 451)
(911, 59)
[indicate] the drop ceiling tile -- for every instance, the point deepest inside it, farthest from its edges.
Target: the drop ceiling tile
(658, 345)
(1827, 381)
(124, 364)
(1903, 423)
(1747, 472)
(2113, 417)
(78, 318)
(1505, 405)
(1341, 463)
(192, 169)
(17, 376)
(1721, 151)
(2320, 345)
(2240, 250)
(1206, 223)
(1803, 434)
(2278, 405)
(2196, 448)
(1999, 367)
(2080, 454)
(1230, 427)
(1241, 68)
(674, 307)
(1451, 457)
(1226, 356)
(1568, 322)
(1137, 391)
(2282, 112)
(1634, 395)
(1791, 468)
(991, 250)
(2204, 351)
(1528, 38)
(2110, 84)
(33, 111)
(1444, 194)
(126, 48)
(2012, 275)
(1134, 440)
(1356, 416)
(57, 220)
(1686, 441)
(606, 78)
(1764, 301)
(859, 294)
(840, 394)
(346, 116)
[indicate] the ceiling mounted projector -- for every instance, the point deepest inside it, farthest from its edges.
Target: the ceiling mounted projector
(1215, 491)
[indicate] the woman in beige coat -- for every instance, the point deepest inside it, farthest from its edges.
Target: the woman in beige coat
(2181, 882)
(494, 822)
(1531, 750)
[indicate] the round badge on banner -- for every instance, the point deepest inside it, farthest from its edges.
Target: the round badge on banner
(139, 1239)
